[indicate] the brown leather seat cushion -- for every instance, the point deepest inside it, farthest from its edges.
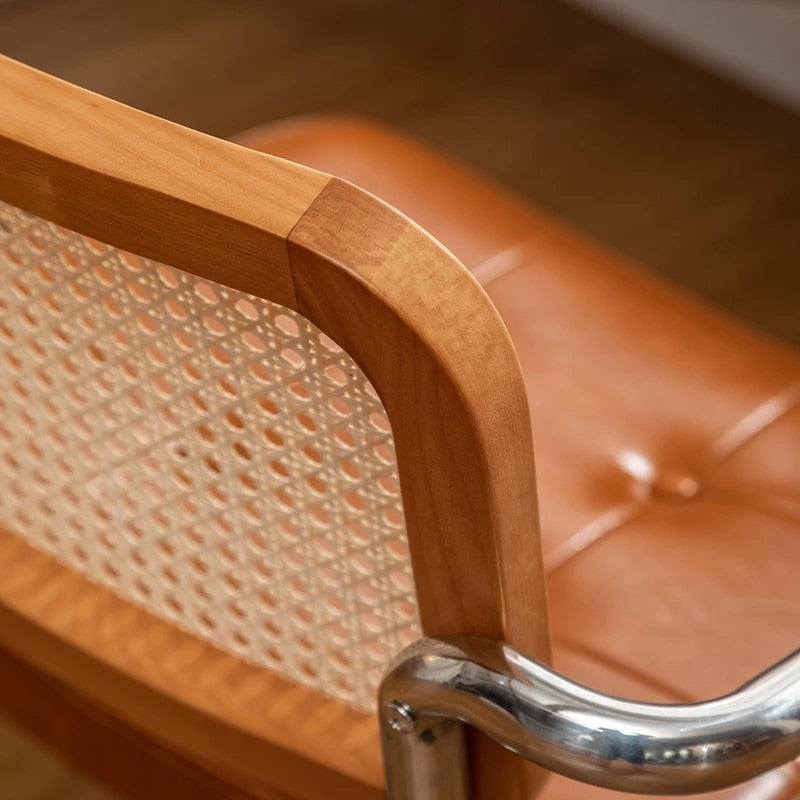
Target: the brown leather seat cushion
(667, 438)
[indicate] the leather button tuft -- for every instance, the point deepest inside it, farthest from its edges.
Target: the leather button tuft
(675, 486)
(650, 483)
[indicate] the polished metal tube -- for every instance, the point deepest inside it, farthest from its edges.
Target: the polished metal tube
(437, 685)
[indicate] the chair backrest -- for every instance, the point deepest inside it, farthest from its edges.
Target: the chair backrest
(197, 479)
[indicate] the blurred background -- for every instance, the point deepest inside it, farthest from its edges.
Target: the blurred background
(667, 129)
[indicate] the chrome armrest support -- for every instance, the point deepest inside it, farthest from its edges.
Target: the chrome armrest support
(437, 685)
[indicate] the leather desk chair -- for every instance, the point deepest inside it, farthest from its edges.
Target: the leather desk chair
(666, 437)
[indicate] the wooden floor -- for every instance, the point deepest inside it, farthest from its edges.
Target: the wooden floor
(695, 178)
(29, 773)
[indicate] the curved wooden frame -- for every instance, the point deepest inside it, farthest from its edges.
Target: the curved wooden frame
(413, 318)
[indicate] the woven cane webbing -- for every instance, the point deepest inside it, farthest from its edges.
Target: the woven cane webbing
(206, 454)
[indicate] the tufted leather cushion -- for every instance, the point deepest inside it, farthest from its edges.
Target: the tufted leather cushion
(667, 439)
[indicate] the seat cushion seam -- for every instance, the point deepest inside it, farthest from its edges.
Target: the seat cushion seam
(496, 266)
(750, 426)
(591, 533)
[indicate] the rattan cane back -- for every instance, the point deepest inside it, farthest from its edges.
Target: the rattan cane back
(168, 297)
(204, 453)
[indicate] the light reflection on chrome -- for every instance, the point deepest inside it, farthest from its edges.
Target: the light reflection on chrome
(446, 682)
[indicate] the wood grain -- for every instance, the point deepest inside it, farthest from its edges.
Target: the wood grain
(252, 730)
(88, 164)
(83, 741)
(672, 166)
(434, 347)
(435, 350)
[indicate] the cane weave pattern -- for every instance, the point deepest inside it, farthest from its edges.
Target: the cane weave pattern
(208, 455)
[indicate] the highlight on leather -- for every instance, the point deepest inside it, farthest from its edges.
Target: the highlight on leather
(208, 455)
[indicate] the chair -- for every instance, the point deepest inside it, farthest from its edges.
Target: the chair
(206, 566)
